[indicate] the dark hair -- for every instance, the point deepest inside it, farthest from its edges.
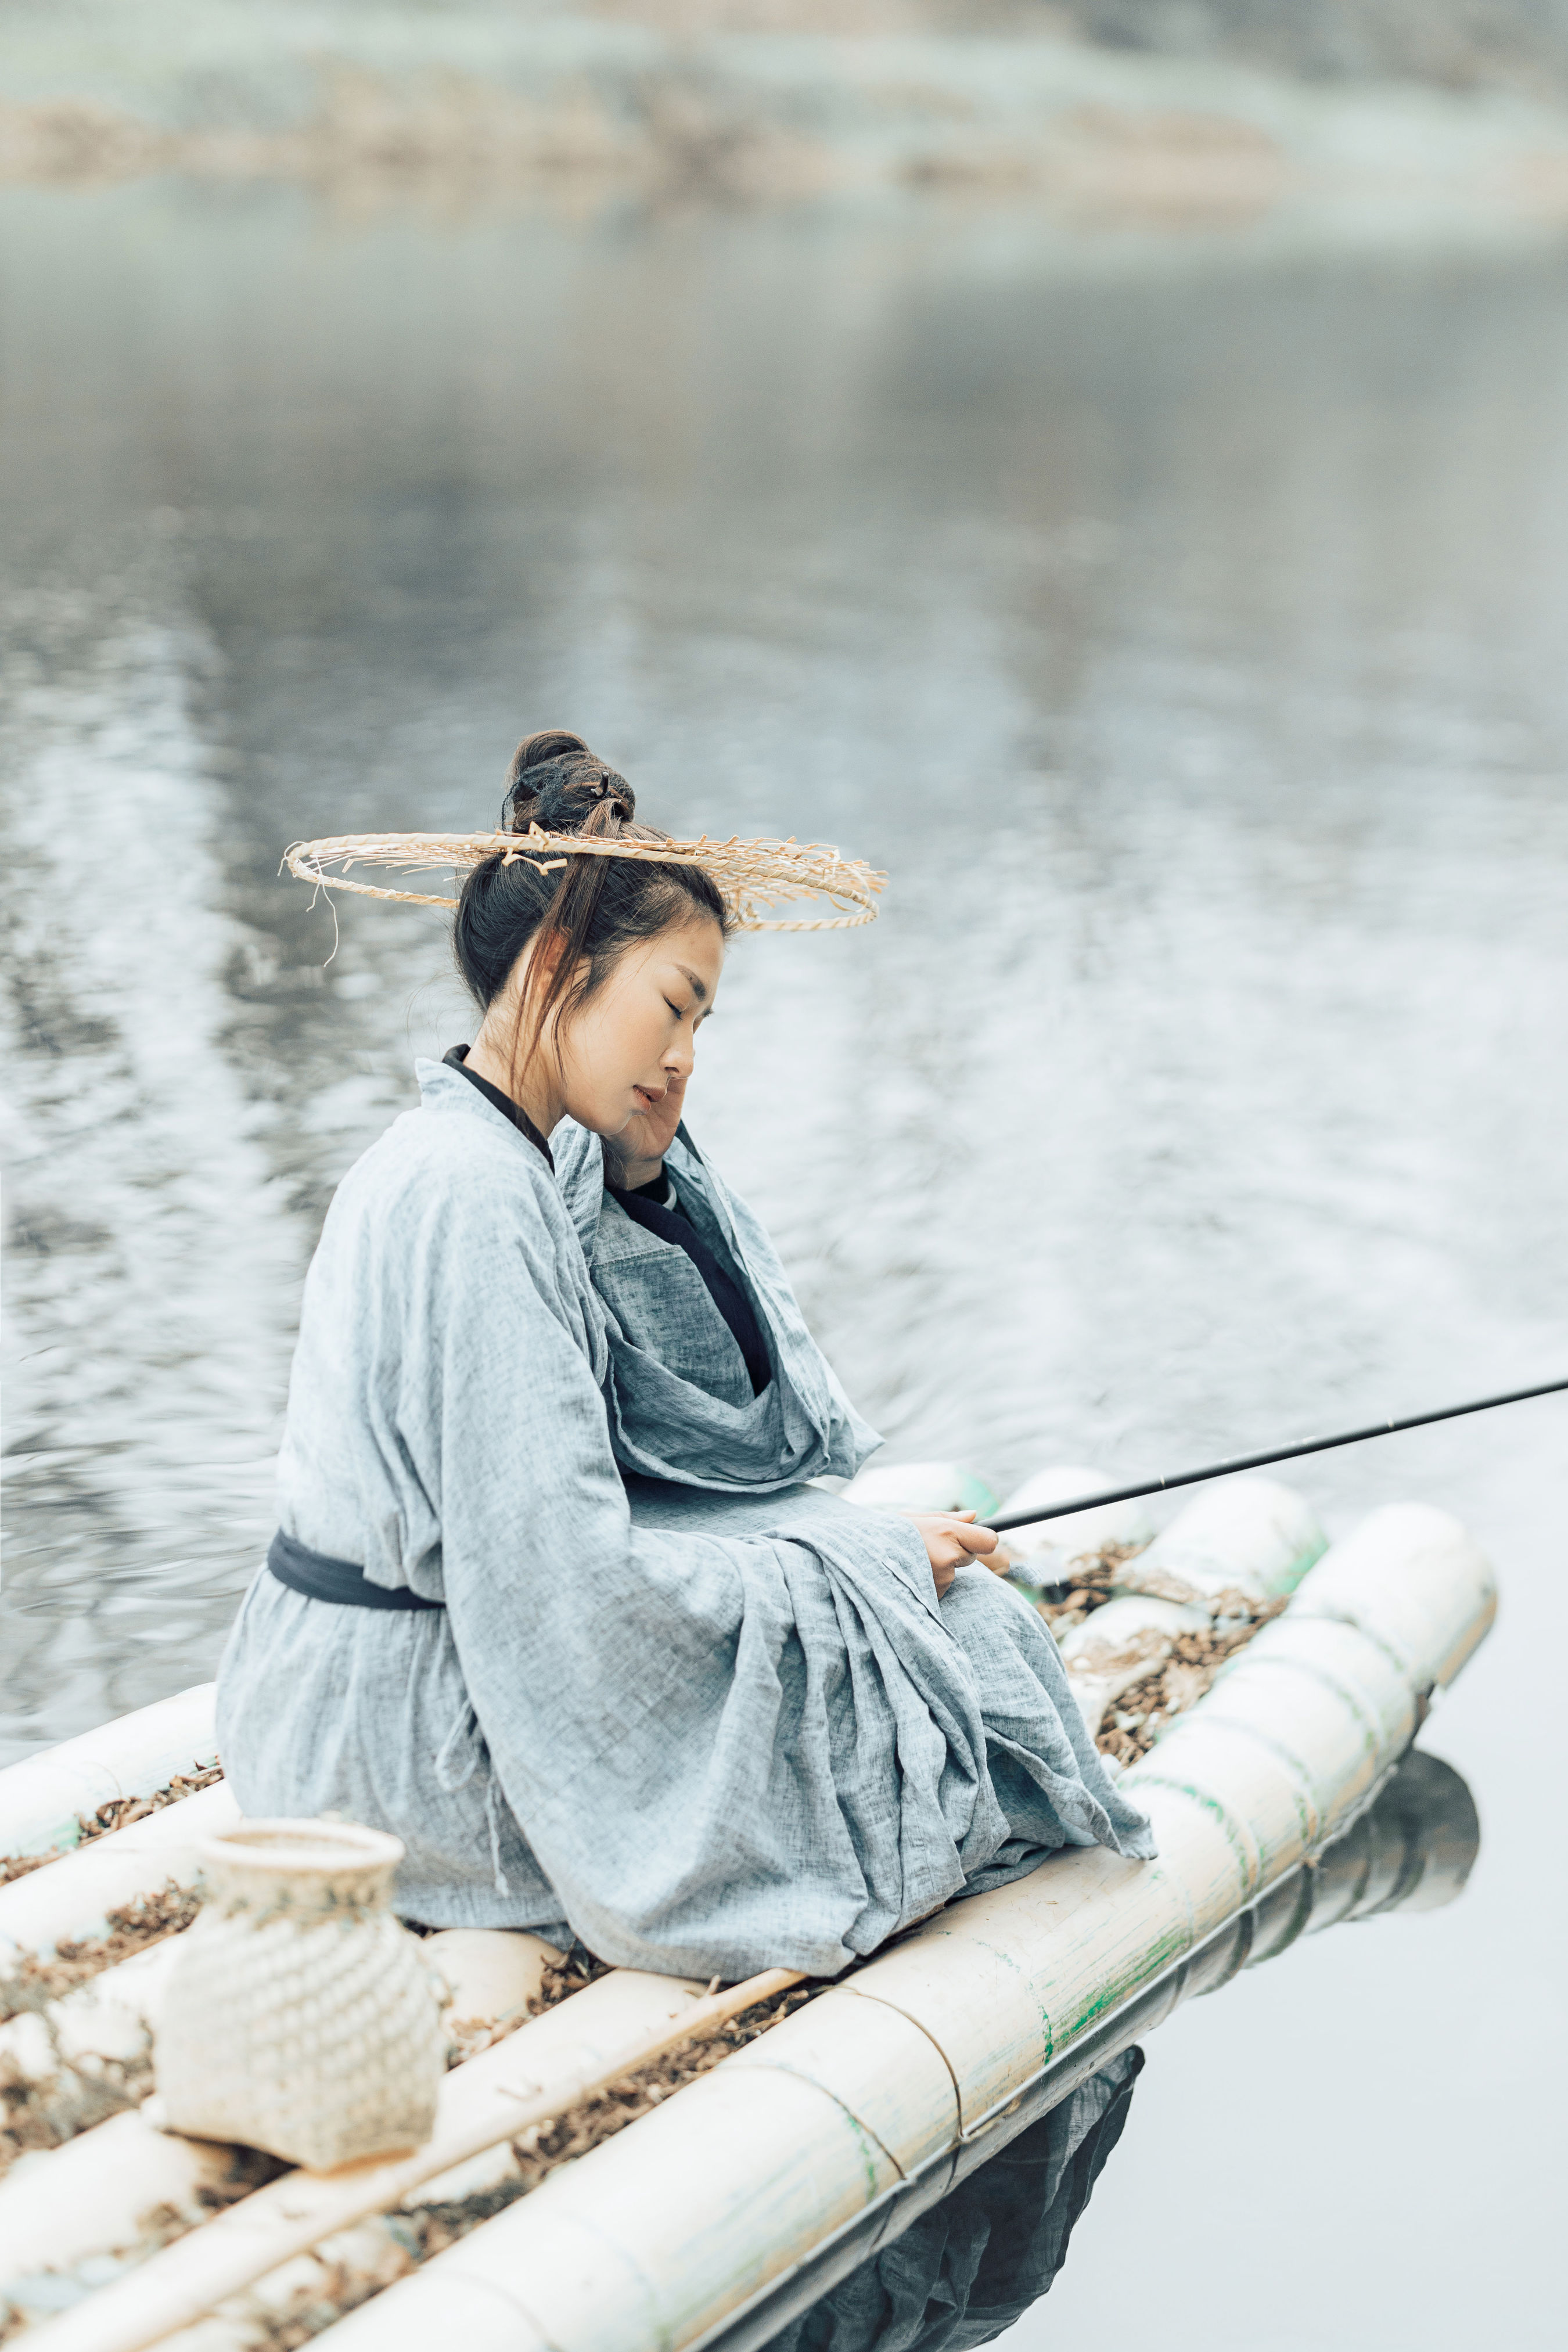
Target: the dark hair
(598, 906)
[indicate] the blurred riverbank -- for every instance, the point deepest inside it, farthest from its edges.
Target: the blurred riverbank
(695, 100)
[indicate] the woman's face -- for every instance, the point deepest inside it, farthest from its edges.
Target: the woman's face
(637, 1037)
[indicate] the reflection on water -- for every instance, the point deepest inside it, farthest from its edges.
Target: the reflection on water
(963, 2270)
(960, 2273)
(1180, 621)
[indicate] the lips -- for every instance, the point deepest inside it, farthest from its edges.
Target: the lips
(648, 1097)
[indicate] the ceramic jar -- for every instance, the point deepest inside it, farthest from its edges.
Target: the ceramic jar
(300, 2016)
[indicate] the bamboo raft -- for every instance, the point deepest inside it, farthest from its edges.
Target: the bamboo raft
(742, 2192)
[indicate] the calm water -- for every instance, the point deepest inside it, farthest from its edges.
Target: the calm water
(1183, 626)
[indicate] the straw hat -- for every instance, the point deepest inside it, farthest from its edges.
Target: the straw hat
(752, 875)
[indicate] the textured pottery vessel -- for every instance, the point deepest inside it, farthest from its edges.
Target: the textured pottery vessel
(300, 2016)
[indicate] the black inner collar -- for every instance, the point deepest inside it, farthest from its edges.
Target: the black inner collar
(675, 1225)
(457, 1058)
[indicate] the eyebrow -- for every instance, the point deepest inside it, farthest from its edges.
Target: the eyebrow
(699, 987)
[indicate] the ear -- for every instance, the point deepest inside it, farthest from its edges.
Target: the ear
(541, 960)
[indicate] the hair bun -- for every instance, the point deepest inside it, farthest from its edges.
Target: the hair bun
(557, 783)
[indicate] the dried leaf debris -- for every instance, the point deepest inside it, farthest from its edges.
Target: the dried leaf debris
(117, 1814)
(131, 1929)
(1142, 1712)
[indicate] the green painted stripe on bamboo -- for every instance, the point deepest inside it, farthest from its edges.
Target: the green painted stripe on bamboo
(1185, 1892)
(1301, 1563)
(869, 2140)
(1373, 1739)
(870, 2146)
(1250, 1877)
(1310, 1810)
(1048, 2030)
(1330, 1615)
(975, 1494)
(1111, 1995)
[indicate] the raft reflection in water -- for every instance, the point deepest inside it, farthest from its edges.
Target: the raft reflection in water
(961, 2270)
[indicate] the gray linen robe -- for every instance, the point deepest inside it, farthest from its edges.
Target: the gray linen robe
(678, 1704)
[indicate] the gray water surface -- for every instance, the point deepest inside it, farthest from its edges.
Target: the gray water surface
(1182, 624)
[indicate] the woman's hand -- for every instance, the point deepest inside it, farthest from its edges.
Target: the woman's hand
(952, 1538)
(635, 1156)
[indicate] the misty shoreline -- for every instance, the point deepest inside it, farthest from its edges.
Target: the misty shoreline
(480, 98)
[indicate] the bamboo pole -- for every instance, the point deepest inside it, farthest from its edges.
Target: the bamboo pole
(1048, 1548)
(71, 1898)
(1255, 1536)
(109, 2017)
(560, 2059)
(134, 1756)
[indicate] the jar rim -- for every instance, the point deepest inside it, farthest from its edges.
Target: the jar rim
(287, 1846)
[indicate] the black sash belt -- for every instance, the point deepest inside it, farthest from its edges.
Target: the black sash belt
(321, 1578)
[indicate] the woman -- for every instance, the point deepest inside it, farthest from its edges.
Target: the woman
(549, 1599)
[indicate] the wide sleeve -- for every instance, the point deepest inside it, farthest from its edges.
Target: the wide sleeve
(627, 1684)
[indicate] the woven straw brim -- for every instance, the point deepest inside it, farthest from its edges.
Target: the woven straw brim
(752, 876)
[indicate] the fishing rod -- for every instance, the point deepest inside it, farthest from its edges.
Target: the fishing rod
(1259, 1461)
